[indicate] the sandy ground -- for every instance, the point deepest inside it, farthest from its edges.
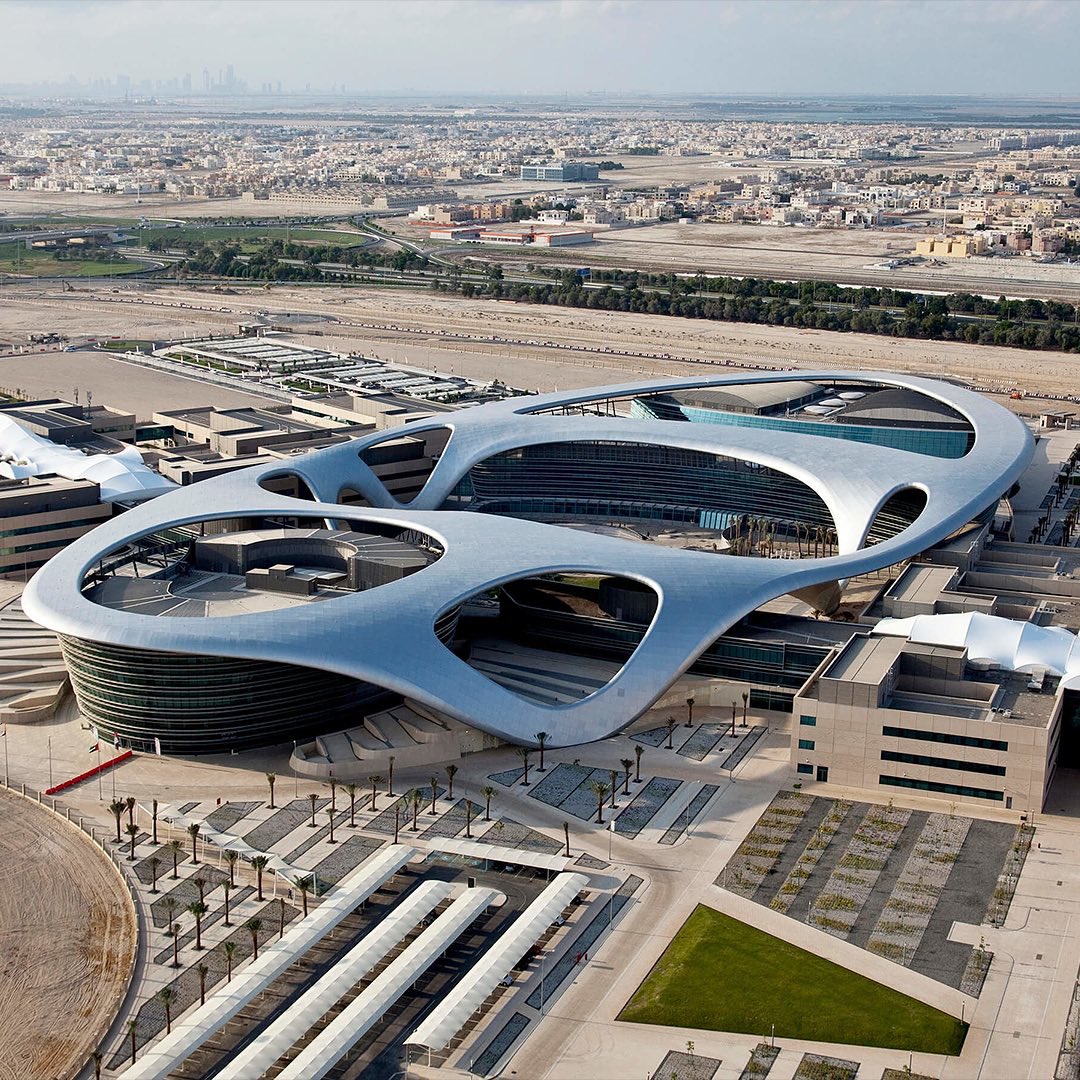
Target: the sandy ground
(68, 936)
(416, 327)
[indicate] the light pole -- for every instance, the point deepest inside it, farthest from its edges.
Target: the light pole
(50, 762)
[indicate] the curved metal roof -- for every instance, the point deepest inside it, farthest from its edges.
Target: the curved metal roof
(385, 636)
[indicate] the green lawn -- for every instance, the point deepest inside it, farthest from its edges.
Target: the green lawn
(723, 975)
(251, 237)
(40, 263)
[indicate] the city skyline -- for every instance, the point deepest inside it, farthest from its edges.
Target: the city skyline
(550, 46)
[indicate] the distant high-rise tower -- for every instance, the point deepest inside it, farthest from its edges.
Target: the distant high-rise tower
(206, 81)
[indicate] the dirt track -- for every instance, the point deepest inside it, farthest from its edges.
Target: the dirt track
(67, 936)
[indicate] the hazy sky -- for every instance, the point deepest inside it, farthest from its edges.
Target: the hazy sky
(1000, 47)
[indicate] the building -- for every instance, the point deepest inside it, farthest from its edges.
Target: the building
(505, 624)
(40, 515)
(560, 172)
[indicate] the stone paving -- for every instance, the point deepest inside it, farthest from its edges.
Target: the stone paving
(889, 880)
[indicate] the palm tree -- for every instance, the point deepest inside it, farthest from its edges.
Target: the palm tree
(259, 862)
(253, 926)
(170, 905)
(133, 832)
(281, 918)
(689, 712)
(333, 792)
(434, 782)
(231, 858)
(198, 909)
(116, 808)
(671, 722)
(193, 832)
(638, 751)
(351, 790)
(270, 778)
(129, 805)
(390, 776)
(600, 790)
(745, 703)
(97, 1057)
(154, 863)
(133, 1030)
(451, 772)
(614, 774)
(176, 848)
(176, 944)
(229, 949)
(397, 820)
(566, 836)
(154, 819)
(227, 887)
(523, 753)
(375, 781)
(202, 971)
(541, 738)
(166, 995)
(489, 794)
(305, 884)
(468, 819)
(626, 763)
(314, 799)
(330, 818)
(416, 798)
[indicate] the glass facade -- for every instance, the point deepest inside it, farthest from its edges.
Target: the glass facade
(934, 442)
(945, 737)
(206, 704)
(944, 789)
(944, 763)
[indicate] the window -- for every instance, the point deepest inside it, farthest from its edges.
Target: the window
(945, 789)
(806, 770)
(808, 721)
(944, 737)
(806, 744)
(942, 763)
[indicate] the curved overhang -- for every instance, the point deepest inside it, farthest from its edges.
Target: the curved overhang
(390, 640)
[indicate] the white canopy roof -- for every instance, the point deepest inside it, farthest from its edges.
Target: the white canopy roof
(471, 991)
(349, 1026)
(312, 1005)
(1009, 643)
(477, 849)
(222, 1005)
(123, 475)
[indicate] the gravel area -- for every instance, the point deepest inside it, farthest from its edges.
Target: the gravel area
(509, 833)
(497, 1048)
(225, 817)
(656, 736)
(701, 743)
(282, 822)
(645, 805)
(453, 821)
(508, 778)
(820, 1067)
(697, 804)
(345, 858)
(560, 783)
(214, 915)
(686, 1066)
(804, 866)
(164, 856)
(341, 820)
(590, 862)
(746, 745)
(186, 892)
(763, 846)
(762, 1059)
(383, 822)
